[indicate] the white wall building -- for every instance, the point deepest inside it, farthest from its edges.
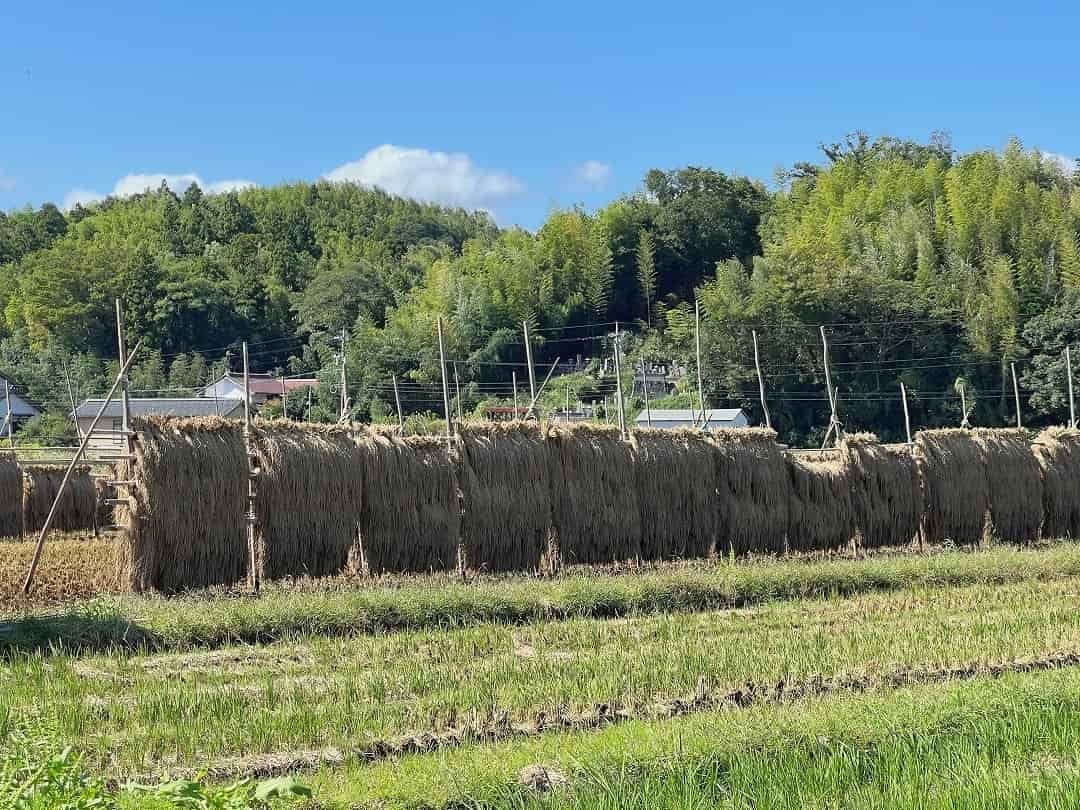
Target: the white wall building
(716, 419)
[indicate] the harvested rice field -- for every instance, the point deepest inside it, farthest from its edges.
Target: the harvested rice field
(940, 679)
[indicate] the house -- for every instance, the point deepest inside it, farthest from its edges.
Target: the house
(717, 418)
(108, 433)
(21, 406)
(263, 387)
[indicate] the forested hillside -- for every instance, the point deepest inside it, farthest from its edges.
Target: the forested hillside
(925, 266)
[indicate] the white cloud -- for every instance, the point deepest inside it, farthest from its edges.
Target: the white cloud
(450, 178)
(1067, 164)
(593, 173)
(131, 184)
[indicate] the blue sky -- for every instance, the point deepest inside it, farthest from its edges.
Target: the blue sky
(513, 109)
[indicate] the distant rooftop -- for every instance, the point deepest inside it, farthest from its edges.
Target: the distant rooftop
(715, 415)
(163, 406)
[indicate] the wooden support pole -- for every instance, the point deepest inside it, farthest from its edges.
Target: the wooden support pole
(457, 391)
(249, 515)
(7, 400)
(514, 376)
(71, 467)
(532, 405)
(397, 404)
(529, 361)
(964, 423)
(445, 385)
(834, 423)
(344, 415)
(618, 383)
(645, 388)
(907, 416)
(124, 399)
(1016, 394)
(697, 352)
(1072, 403)
(567, 405)
(761, 381)
(284, 400)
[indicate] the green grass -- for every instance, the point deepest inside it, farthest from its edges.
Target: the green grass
(134, 714)
(988, 743)
(349, 607)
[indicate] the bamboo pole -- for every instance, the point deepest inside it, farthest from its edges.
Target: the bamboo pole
(284, 401)
(445, 385)
(514, 377)
(618, 384)
(7, 400)
(397, 403)
(907, 417)
(249, 516)
(124, 399)
(457, 390)
(645, 388)
(532, 405)
(344, 383)
(71, 467)
(1072, 403)
(964, 423)
(697, 351)
(761, 382)
(834, 423)
(1016, 394)
(529, 360)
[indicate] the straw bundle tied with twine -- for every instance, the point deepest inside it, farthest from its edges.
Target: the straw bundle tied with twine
(821, 517)
(596, 513)
(675, 476)
(1057, 450)
(309, 497)
(78, 507)
(410, 519)
(1014, 484)
(505, 478)
(754, 491)
(956, 494)
(11, 494)
(886, 494)
(186, 526)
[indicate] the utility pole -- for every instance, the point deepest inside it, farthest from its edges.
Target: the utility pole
(834, 423)
(445, 385)
(907, 418)
(618, 383)
(645, 390)
(697, 351)
(397, 403)
(761, 382)
(1016, 394)
(529, 360)
(1072, 403)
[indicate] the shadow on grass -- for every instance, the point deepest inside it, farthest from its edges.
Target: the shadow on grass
(78, 630)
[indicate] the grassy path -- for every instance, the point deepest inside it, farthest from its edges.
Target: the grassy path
(158, 712)
(351, 607)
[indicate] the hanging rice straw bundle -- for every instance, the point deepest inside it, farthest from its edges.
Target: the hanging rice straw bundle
(411, 516)
(821, 517)
(1014, 484)
(675, 476)
(1057, 450)
(885, 490)
(753, 490)
(309, 494)
(78, 504)
(505, 478)
(596, 514)
(186, 526)
(955, 490)
(11, 494)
